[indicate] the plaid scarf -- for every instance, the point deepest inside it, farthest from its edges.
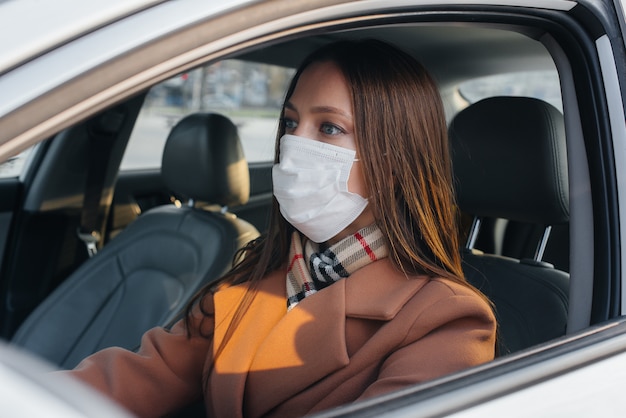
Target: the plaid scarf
(314, 268)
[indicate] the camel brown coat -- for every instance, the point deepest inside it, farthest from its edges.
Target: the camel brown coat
(369, 334)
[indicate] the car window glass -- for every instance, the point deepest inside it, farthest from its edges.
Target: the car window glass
(542, 85)
(249, 93)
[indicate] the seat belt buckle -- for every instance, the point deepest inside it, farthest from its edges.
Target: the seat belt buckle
(91, 240)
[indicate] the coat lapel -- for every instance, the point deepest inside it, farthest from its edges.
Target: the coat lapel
(309, 342)
(306, 345)
(228, 377)
(378, 291)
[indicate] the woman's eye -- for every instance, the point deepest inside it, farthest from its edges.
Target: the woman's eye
(329, 129)
(290, 124)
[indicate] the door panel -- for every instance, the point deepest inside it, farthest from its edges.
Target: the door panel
(9, 194)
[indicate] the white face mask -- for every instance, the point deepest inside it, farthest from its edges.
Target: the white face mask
(311, 186)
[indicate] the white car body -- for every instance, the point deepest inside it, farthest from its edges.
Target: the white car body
(63, 61)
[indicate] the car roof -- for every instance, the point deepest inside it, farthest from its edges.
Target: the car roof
(453, 53)
(52, 24)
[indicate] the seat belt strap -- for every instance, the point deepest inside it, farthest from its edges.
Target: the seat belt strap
(102, 133)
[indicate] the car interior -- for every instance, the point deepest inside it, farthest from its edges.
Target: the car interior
(519, 105)
(151, 270)
(511, 155)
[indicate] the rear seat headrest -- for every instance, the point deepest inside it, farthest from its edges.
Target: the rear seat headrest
(510, 160)
(203, 160)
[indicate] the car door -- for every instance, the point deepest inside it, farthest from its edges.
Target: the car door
(584, 40)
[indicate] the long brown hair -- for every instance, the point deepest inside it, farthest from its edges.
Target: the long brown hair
(402, 140)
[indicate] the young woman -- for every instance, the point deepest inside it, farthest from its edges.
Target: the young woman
(357, 288)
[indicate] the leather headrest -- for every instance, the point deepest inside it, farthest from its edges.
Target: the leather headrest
(203, 160)
(510, 160)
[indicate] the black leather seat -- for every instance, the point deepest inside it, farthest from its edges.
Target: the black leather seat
(509, 157)
(147, 274)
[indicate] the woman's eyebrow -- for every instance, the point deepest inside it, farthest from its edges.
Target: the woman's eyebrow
(331, 109)
(321, 109)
